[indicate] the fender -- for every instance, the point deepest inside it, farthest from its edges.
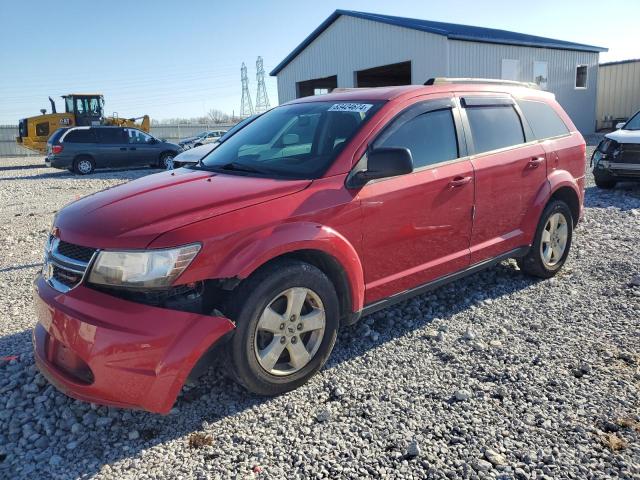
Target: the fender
(270, 243)
(556, 180)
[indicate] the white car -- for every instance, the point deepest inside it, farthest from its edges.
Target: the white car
(617, 156)
(191, 156)
(202, 139)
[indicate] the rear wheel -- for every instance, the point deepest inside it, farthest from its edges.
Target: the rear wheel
(287, 319)
(551, 243)
(84, 165)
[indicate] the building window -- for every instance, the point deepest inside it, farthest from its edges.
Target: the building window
(320, 91)
(540, 74)
(581, 76)
(510, 69)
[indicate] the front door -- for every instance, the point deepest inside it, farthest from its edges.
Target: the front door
(142, 150)
(417, 227)
(510, 171)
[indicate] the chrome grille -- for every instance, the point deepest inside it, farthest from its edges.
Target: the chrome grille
(65, 264)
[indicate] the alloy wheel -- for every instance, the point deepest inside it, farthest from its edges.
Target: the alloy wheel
(289, 331)
(554, 239)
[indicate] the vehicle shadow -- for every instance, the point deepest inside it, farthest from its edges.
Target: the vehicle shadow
(625, 196)
(215, 397)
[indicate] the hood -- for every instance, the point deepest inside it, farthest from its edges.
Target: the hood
(132, 215)
(625, 136)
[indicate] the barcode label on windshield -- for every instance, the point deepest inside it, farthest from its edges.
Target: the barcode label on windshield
(350, 107)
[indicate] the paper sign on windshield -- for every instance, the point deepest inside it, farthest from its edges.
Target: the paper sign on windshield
(350, 107)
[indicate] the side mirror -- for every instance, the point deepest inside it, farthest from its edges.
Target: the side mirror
(383, 163)
(620, 125)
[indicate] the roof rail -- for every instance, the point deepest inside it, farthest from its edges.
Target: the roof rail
(486, 81)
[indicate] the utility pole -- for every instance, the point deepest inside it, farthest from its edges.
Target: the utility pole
(246, 107)
(262, 100)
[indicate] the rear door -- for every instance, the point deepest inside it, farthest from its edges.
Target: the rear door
(112, 147)
(510, 171)
(417, 227)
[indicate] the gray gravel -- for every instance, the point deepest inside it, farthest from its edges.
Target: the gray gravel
(495, 376)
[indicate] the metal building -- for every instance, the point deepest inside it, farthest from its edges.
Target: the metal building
(618, 92)
(357, 49)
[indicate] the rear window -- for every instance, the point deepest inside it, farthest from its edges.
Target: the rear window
(56, 136)
(83, 135)
(494, 127)
(543, 119)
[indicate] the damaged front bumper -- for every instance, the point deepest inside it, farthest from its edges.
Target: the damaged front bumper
(99, 348)
(616, 161)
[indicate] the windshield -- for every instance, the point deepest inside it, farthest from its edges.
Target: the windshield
(296, 141)
(633, 123)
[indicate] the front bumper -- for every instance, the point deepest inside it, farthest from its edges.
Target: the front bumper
(102, 349)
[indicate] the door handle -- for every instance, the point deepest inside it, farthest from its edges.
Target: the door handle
(123, 148)
(459, 181)
(132, 148)
(535, 162)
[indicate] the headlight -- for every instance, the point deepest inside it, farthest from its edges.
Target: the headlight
(142, 269)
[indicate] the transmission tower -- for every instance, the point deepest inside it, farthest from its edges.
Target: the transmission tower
(246, 107)
(262, 100)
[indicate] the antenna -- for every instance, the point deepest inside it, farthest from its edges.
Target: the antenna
(246, 107)
(262, 100)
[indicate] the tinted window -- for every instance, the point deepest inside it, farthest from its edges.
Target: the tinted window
(56, 135)
(431, 138)
(292, 141)
(42, 129)
(83, 135)
(110, 135)
(494, 127)
(136, 136)
(543, 119)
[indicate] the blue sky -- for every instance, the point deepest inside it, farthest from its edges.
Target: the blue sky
(181, 58)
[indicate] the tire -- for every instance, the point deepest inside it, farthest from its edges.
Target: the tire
(84, 165)
(166, 160)
(536, 263)
(264, 290)
(604, 184)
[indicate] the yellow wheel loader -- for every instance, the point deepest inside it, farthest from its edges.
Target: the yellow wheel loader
(81, 109)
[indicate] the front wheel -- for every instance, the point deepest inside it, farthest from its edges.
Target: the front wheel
(552, 242)
(287, 319)
(604, 184)
(166, 161)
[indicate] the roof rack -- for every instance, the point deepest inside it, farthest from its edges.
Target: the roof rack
(486, 81)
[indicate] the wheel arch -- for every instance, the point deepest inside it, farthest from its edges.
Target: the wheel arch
(569, 196)
(318, 245)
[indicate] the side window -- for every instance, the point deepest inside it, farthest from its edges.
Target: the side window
(42, 129)
(430, 136)
(494, 127)
(110, 136)
(138, 137)
(581, 76)
(543, 119)
(81, 135)
(81, 105)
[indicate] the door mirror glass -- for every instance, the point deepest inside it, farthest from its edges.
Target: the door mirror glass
(384, 162)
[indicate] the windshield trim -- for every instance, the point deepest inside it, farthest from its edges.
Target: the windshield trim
(282, 174)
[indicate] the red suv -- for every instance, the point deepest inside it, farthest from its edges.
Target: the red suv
(321, 211)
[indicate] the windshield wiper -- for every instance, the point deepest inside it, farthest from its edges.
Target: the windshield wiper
(240, 167)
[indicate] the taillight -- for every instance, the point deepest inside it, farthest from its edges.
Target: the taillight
(56, 149)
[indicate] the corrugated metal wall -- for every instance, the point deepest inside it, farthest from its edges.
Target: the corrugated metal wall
(474, 59)
(618, 92)
(351, 44)
(171, 133)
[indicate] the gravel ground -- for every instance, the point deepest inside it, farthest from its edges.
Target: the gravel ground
(494, 376)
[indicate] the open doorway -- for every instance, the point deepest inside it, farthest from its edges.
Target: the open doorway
(316, 86)
(385, 75)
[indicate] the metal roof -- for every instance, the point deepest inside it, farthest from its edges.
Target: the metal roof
(450, 30)
(620, 62)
